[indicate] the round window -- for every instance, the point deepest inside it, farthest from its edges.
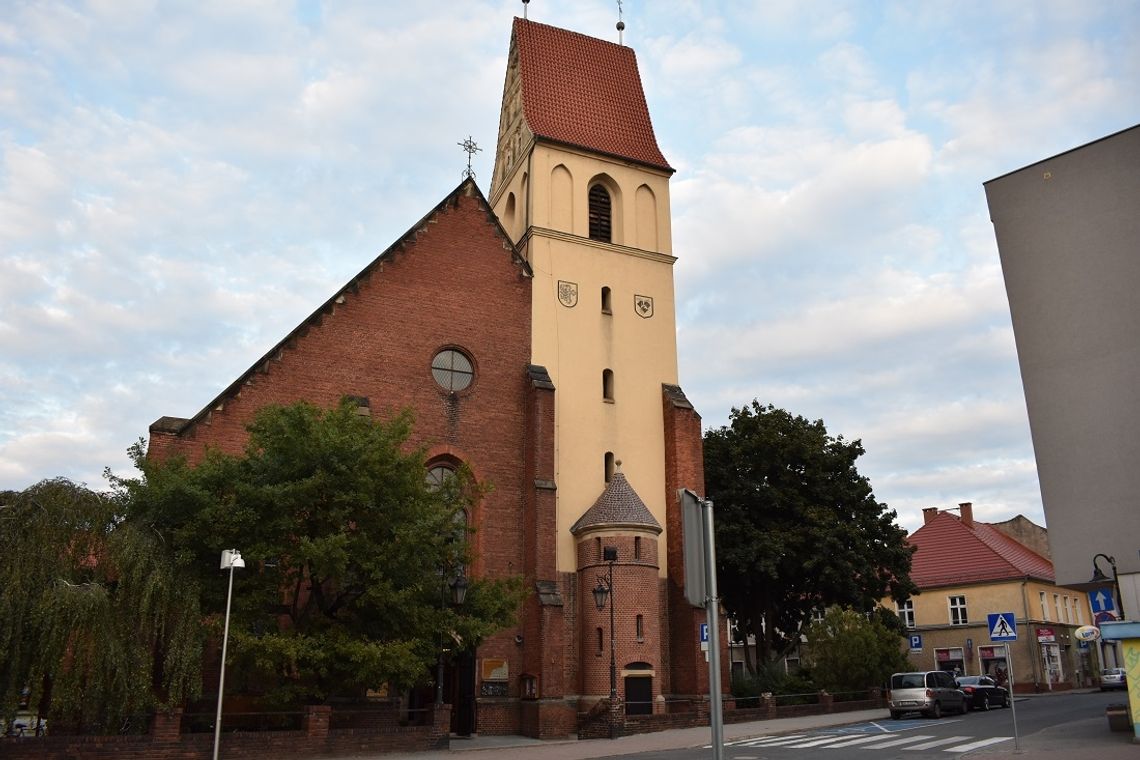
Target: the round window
(452, 369)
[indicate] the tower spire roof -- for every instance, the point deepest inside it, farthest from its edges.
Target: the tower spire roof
(584, 92)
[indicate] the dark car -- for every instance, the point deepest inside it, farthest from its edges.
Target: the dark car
(983, 692)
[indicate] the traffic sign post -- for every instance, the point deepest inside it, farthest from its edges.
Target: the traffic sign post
(1003, 627)
(1103, 605)
(916, 643)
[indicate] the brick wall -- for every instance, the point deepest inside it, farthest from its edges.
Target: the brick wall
(451, 281)
(636, 593)
(316, 740)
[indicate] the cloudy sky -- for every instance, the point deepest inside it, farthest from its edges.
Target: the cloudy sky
(182, 183)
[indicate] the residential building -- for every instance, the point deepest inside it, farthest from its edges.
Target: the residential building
(967, 570)
(1068, 233)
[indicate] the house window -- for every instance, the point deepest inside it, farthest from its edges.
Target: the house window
(640, 628)
(607, 385)
(1060, 610)
(452, 369)
(607, 301)
(958, 614)
(906, 613)
(1044, 607)
(1080, 611)
(601, 210)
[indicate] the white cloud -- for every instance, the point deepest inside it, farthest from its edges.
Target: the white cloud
(179, 187)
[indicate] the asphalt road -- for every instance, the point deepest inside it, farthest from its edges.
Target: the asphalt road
(1066, 725)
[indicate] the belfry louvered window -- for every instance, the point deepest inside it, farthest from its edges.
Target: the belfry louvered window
(601, 211)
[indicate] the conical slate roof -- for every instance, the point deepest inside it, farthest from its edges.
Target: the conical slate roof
(619, 506)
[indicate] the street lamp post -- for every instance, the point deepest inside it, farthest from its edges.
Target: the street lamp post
(231, 560)
(1100, 577)
(604, 589)
(458, 588)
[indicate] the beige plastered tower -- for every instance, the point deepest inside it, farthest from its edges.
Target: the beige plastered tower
(582, 188)
(574, 124)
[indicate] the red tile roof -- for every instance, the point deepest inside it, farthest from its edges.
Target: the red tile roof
(585, 92)
(949, 553)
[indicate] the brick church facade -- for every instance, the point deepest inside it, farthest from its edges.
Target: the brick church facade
(532, 331)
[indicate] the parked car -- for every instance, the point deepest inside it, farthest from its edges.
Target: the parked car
(931, 693)
(26, 724)
(983, 692)
(1113, 678)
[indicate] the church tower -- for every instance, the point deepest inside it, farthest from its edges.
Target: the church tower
(582, 187)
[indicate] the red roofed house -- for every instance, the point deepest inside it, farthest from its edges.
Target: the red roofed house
(533, 333)
(967, 570)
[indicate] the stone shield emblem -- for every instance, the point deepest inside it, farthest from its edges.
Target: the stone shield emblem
(568, 293)
(643, 305)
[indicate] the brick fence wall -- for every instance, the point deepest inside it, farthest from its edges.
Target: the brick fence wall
(166, 742)
(695, 713)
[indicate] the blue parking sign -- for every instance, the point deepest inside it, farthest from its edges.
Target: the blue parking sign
(916, 642)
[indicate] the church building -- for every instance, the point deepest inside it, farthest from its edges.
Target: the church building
(532, 331)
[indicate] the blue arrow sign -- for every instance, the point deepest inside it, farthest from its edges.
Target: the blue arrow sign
(1101, 601)
(1003, 626)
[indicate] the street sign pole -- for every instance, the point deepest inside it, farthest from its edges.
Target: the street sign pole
(1003, 628)
(712, 616)
(1012, 702)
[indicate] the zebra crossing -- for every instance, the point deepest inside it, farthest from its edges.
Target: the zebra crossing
(915, 742)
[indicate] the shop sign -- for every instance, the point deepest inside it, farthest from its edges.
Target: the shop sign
(1046, 636)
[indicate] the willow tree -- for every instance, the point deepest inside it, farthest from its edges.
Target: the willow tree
(97, 623)
(348, 550)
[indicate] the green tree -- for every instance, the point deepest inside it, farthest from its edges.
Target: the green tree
(95, 617)
(347, 551)
(850, 651)
(798, 529)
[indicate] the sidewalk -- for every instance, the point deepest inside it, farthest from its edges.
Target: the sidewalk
(1079, 739)
(523, 748)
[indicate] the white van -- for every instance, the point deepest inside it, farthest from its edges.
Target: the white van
(931, 693)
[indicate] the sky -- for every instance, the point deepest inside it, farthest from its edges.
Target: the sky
(181, 184)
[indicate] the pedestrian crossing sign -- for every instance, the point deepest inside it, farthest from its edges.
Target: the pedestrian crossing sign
(1003, 626)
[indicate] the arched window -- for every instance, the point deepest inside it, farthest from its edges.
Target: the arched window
(637, 547)
(609, 466)
(601, 213)
(441, 475)
(608, 384)
(607, 301)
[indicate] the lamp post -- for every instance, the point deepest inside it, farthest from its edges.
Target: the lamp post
(1099, 577)
(231, 559)
(458, 588)
(604, 589)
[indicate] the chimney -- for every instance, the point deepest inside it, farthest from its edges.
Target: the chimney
(966, 510)
(928, 514)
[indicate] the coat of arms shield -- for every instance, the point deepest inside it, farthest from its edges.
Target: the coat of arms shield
(568, 293)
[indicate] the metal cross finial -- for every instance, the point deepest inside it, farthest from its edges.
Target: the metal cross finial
(471, 148)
